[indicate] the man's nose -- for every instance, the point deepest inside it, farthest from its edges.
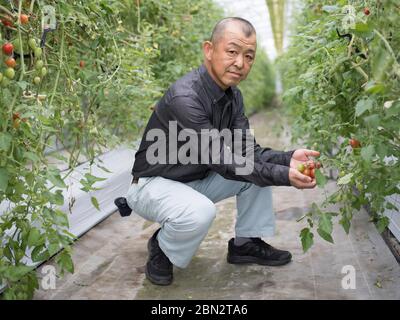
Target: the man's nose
(239, 61)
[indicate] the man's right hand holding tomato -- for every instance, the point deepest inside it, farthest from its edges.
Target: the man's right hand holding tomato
(298, 179)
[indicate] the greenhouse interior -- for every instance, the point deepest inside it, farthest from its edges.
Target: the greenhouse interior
(97, 202)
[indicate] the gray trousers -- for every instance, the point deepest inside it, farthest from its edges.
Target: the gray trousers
(185, 211)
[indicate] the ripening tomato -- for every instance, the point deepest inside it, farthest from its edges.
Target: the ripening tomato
(307, 172)
(16, 123)
(10, 62)
(81, 64)
(16, 115)
(354, 143)
(24, 18)
(366, 11)
(312, 173)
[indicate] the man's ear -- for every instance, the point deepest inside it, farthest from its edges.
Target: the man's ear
(208, 49)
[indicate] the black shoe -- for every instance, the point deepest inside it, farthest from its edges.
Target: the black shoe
(158, 267)
(257, 251)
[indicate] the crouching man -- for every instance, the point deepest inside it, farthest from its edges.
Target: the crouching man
(197, 150)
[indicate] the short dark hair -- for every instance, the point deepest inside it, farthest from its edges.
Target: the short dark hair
(247, 28)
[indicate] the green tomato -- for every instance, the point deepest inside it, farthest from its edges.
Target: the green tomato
(43, 72)
(39, 65)
(10, 73)
(32, 43)
(37, 80)
(37, 52)
(5, 82)
(301, 167)
(1, 77)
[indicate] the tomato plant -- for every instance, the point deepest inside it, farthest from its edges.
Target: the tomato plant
(342, 84)
(51, 101)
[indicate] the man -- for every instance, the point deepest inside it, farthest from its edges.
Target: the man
(180, 195)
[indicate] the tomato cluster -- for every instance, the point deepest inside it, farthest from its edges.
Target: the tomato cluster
(308, 168)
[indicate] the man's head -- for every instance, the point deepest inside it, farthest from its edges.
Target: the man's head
(230, 53)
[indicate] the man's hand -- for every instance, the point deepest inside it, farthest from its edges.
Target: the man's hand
(301, 181)
(297, 179)
(302, 156)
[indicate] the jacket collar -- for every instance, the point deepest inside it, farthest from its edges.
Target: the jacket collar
(213, 89)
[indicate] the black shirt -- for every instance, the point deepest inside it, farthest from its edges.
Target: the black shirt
(196, 102)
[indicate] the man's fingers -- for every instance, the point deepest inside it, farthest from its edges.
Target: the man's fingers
(303, 178)
(312, 153)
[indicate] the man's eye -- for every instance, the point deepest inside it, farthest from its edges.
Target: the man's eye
(232, 52)
(250, 58)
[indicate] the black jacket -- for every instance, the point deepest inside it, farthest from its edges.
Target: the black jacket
(196, 102)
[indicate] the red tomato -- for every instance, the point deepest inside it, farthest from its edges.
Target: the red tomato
(82, 64)
(7, 22)
(8, 48)
(366, 11)
(307, 172)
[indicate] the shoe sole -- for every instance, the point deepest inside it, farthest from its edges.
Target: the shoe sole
(250, 259)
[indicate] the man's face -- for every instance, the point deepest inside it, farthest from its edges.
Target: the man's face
(231, 57)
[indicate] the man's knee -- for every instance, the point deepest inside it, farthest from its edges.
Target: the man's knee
(205, 213)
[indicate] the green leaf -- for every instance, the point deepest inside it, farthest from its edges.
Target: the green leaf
(92, 179)
(345, 222)
(64, 260)
(345, 179)
(306, 239)
(363, 105)
(373, 87)
(95, 203)
(104, 169)
(324, 235)
(22, 84)
(31, 156)
(53, 248)
(325, 227)
(34, 237)
(5, 141)
(382, 223)
(15, 273)
(56, 179)
(4, 177)
(39, 254)
(321, 179)
(362, 27)
(368, 152)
